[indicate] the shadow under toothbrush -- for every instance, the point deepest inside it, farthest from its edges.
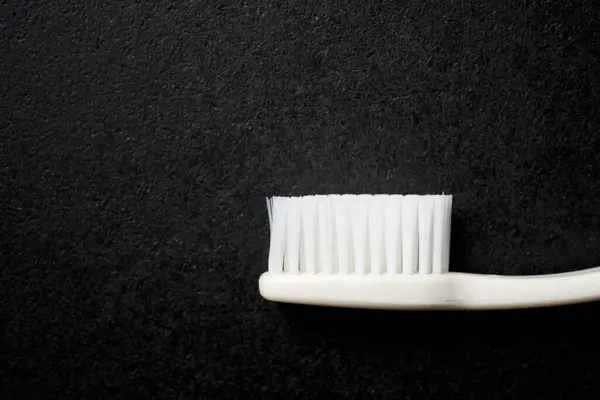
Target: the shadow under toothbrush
(556, 324)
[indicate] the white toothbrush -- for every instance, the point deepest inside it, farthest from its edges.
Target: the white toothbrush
(392, 252)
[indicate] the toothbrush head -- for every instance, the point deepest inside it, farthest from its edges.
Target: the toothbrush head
(360, 234)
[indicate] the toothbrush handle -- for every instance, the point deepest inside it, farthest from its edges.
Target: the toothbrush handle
(495, 291)
(451, 290)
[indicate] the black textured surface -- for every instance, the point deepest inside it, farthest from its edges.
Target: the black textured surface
(139, 141)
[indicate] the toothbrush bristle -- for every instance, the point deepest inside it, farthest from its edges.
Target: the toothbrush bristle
(360, 234)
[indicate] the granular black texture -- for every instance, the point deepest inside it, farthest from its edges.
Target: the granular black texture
(139, 140)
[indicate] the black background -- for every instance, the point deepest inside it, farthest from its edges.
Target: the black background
(140, 139)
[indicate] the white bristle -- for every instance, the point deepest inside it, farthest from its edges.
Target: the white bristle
(270, 214)
(425, 234)
(325, 243)
(376, 228)
(447, 234)
(360, 234)
(359, 208)
(278, 234)
(392, 233)
(292, 243)
(309, 236)
(342, 233)
(410, 234)
(439, 209)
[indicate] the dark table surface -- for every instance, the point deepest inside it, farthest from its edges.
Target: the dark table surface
(139, 140)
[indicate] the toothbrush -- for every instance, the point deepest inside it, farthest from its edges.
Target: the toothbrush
(392, 252)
